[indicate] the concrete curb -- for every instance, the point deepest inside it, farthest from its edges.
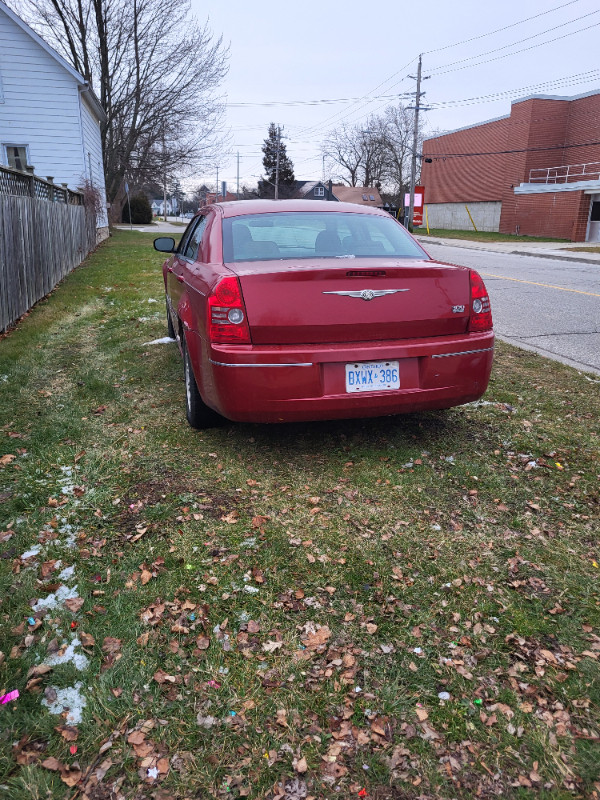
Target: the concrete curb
(557, 256)
(585, 258)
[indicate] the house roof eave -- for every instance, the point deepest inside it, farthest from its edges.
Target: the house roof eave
(43, 44)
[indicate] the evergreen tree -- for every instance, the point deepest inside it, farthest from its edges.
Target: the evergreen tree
(287, 183)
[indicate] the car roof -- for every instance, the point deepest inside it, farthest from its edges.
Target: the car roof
(238, 208)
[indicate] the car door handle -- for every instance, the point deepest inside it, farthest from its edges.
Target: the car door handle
(180, 278)
(169, 269)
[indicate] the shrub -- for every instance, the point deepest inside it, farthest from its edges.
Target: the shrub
(141, 213)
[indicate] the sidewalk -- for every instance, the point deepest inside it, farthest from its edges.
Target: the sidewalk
(157, 227)
(565, 251)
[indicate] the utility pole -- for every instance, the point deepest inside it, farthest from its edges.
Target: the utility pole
(217, 187)
(413, 167)
(237, 194)
(277, 163)
(164, 176)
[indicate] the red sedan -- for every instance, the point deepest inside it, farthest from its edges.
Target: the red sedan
(310, 310)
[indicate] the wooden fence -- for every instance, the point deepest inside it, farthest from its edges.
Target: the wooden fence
(45, 232)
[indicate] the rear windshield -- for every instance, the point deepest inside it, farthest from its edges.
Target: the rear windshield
(283, 235)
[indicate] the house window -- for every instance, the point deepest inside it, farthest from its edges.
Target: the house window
(15, 156)
(319, 191)
(365, 197)
(371, 197)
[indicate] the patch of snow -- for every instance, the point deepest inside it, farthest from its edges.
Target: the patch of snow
(80, 661)
(152, 300)
(251, 589)
(66, 574)
(251, 542)
(164, 340)
(69, 699)
(33, 552)
(56, 598)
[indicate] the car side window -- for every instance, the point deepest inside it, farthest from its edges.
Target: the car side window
(190, 249)
(184, 239)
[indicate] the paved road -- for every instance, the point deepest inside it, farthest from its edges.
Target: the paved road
(549, 305)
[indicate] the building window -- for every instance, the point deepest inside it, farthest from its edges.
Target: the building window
(319, 191)
(15, 156)
(365, 198)
(371, 197)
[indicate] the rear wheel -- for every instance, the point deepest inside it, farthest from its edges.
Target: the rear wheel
(198, 414)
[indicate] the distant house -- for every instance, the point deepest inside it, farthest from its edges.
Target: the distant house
(158, 205)
(313, 190)
(208, 198)
(319, 190)
(50, 118)
(363, 195)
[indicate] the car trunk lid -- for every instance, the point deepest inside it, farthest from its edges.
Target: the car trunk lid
(293, 303)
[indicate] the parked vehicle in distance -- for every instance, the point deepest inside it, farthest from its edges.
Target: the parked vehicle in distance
(307, 310)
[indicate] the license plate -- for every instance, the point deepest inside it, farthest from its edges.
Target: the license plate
(373, 376)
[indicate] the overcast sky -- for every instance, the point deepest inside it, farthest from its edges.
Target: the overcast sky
(363, 52)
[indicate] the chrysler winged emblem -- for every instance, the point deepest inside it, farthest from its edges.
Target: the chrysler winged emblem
(368, 294)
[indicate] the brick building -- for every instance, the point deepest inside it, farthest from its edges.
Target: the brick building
(535, 172)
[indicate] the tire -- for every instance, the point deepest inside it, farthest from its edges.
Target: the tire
(170, 328)
(198, 414)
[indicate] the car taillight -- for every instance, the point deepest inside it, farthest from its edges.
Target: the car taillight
(227, 321)
(480, 318)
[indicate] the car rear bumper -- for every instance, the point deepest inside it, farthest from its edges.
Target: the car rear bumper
(295, 383)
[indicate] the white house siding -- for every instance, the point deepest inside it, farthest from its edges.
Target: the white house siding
(40, 107)
(92, 152)
(454, 216)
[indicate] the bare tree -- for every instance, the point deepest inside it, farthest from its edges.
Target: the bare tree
(377, 153)
(156, 71)
(398, 121)
(343, 150)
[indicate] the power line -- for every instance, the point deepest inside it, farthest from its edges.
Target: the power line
(516, 52)
(520, 41)
(499, 30)
(438, 156)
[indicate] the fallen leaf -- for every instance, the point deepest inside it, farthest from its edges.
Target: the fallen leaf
(300, 765)
(111, 645)
(68, 733)
(145, 577)
(74, 604)
(318, 638)
(270, 646)
(52, 764)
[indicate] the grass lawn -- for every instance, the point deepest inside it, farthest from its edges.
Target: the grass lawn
(393, 608)
(482, 236)
(590, 249)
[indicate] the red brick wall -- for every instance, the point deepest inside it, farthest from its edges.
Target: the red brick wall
(583, 126)
(546, 133)
(558, 215)
(452, 179)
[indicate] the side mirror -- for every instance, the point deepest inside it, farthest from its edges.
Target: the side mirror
(164, 244)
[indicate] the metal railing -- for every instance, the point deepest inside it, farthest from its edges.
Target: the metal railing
(566, 173)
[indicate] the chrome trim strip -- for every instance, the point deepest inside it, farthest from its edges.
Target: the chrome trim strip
(223, 364)
(462, 353)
